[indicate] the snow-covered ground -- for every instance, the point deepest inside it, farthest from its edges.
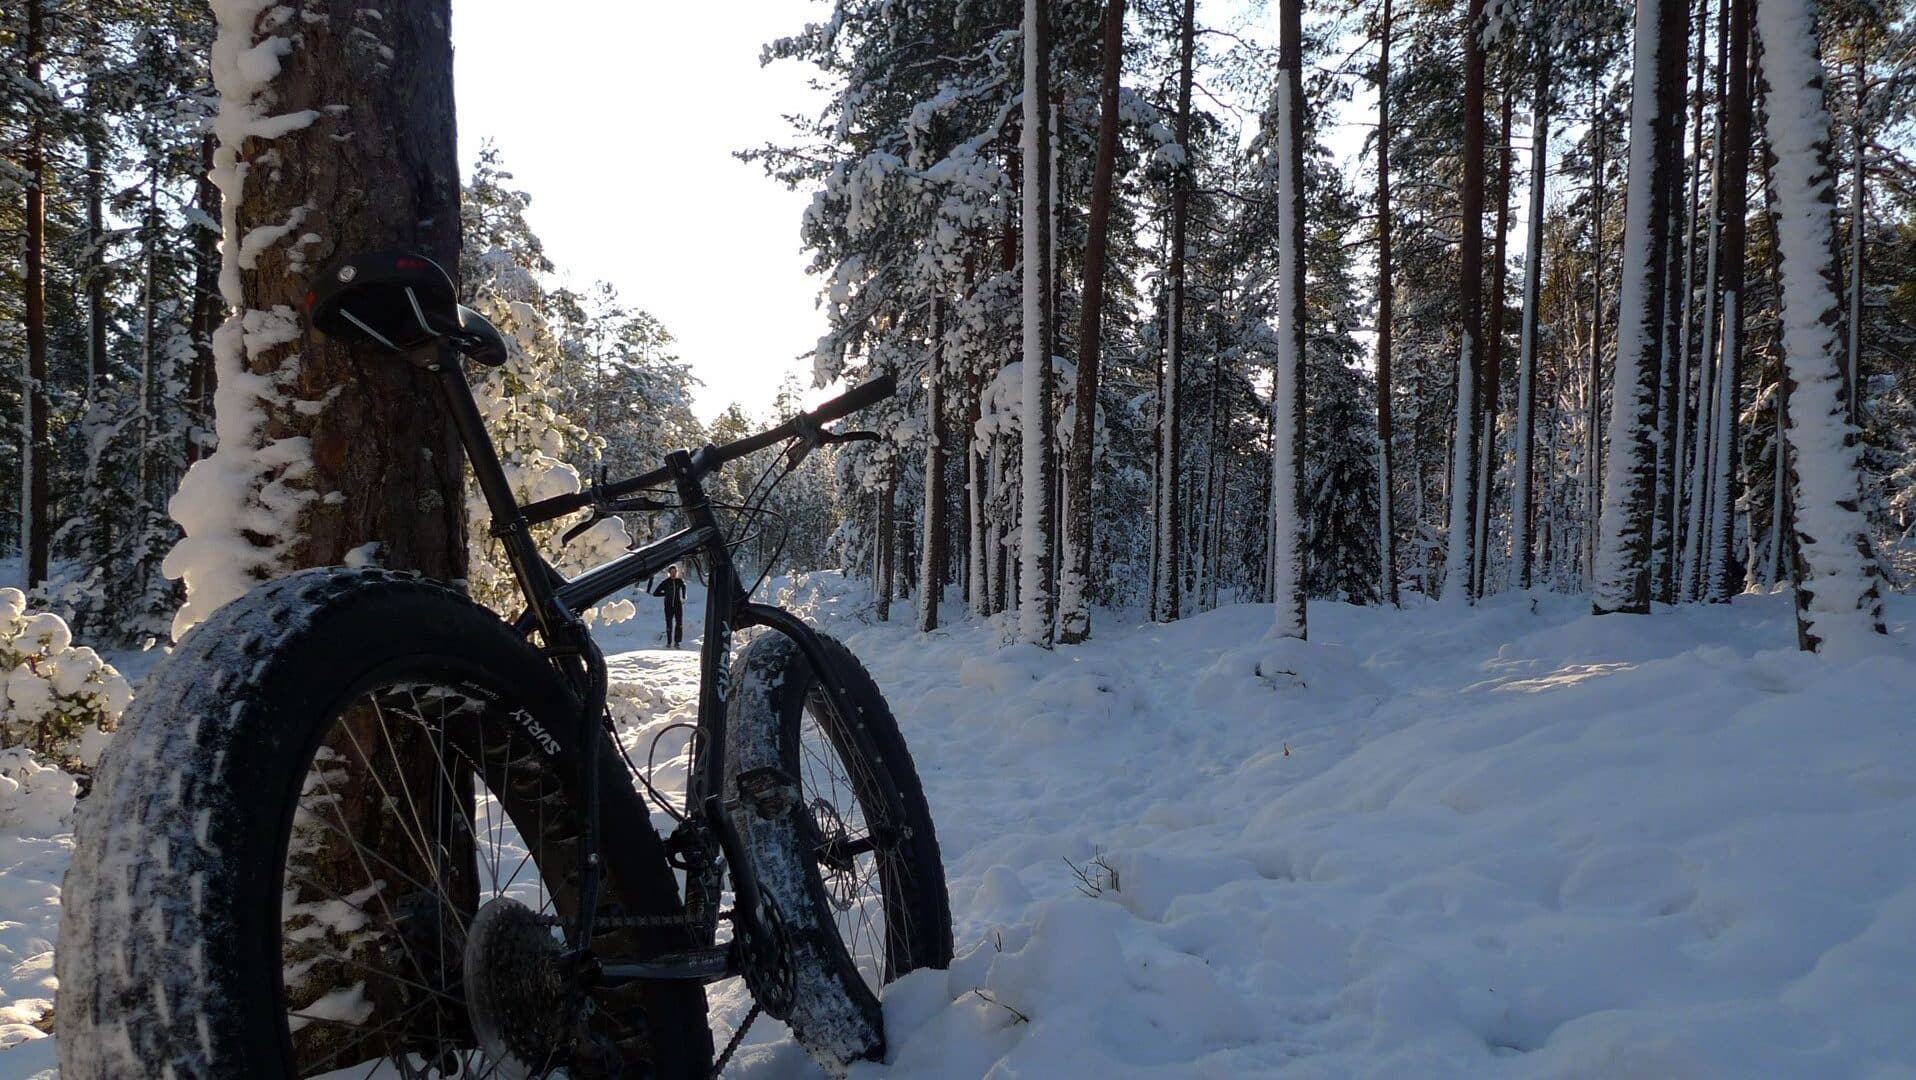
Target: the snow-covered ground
(1510, 841)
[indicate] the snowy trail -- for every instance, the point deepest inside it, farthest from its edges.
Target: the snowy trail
(1516, 841)
(1508, 844)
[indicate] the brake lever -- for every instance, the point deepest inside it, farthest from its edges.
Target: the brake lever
(847, 436)
(577, 530)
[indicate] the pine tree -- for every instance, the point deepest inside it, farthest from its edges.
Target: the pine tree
(1621, 580)
(1838, 599)
(1289, 530)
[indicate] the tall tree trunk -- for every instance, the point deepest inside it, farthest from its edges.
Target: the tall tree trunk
(1696, 551)
(931, 572)
(1037, 607)
(1593, 391)
(1493, 352)
(362, 156)
(1386, 519)
(1838, 598)
(1074, 606)
(1168, 586)
(1679, 454)
(1288, 528)
(884, 543)
(1522, 500)
(1671, 341)
(325, 450)
(977, 477)
(206, 311)
(95, 273)
(1859, 206)
(1626, 526)
(149, 331)
(1735, 205)
(1458, 560)
(35, 447)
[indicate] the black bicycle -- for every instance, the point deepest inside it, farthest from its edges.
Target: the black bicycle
(357, 822)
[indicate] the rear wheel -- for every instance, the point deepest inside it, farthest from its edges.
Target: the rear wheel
(342, 830)
(853, 863)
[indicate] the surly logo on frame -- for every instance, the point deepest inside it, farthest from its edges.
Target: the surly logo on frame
(536, 731)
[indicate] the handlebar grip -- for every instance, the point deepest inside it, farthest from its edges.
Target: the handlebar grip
(858, 397)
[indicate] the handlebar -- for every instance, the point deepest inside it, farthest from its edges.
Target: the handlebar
(709, 457)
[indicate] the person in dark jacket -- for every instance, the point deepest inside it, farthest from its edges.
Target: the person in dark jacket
(673, 590)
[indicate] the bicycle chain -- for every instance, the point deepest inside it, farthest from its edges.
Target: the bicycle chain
(645, 922)
(737, 1037)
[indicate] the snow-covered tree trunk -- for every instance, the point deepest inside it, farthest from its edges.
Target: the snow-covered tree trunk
(36, 448)
(884, 542)
(1859, 206)
(1074, 607)
(1735, 158)
(1288, 509)
(1678, 489)
(931, 569)
(1458, 558)
(1386, 519)
(1491, 370)
(1522, 502)
(1168, 577)
(1703, 441)
(332, 139)
(1626, 526)
(977, 540)
(1037, 607)
(1592, 448)
(1838, 600)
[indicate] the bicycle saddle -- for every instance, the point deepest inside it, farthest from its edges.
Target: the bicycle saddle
(398, 301)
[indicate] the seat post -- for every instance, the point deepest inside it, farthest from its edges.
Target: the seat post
(508, 522)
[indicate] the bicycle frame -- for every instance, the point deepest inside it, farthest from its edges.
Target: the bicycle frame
(553, 612)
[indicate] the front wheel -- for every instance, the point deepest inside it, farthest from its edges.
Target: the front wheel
(342, 829)
(853, 864)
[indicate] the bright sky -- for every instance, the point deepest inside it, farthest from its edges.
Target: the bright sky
(620, 118)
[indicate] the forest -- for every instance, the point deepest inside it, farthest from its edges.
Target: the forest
(1269, 375)
(1316, 326)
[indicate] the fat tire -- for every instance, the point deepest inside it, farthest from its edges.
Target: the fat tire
(835, 1016)
(169, 958)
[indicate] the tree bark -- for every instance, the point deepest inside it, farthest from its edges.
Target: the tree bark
(328, 449)
(1859, 206)
(1458, 561)
(200, 380)
(1839, 596)
(883, 543)
(1522, 499)
(931, 574)
(1626, 526)
(1493, 351)
(1673, 337)
(1037, 608)
(1167, 588)
(1593, 404)
(377, 168)
(1736, 171)
(1386, 519)
(36, 448)
(1289, 508)
(1696, 551)
(1074, 607)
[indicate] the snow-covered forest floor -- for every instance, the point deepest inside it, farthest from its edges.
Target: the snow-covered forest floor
(1514, 840)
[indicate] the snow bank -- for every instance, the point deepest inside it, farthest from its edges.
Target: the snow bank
(1497, 842)
(1506, 841)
